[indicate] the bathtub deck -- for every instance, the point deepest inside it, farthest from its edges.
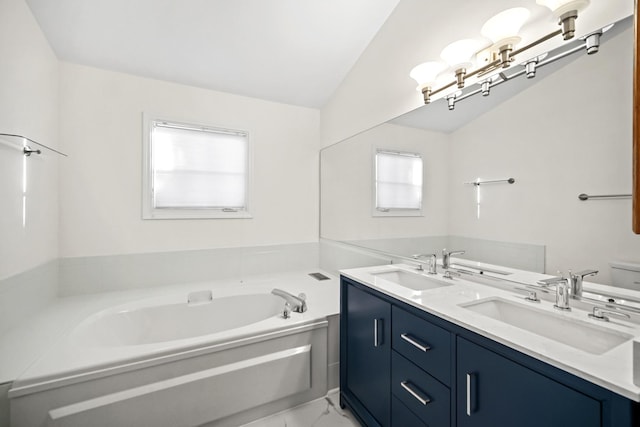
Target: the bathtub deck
(37, 351)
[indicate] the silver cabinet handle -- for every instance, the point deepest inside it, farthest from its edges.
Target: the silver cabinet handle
(376, 341)
(414, 342)
(469, 378)
(412, 392)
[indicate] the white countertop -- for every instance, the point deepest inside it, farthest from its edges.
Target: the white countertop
(612, 370)
(39, 350)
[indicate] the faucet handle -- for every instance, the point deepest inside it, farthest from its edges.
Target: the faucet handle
(531, 294)
(286, 313)
(450, 274)
(303, 302)
(599, 314)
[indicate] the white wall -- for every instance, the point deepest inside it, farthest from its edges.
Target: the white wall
(28, 106)
(101, 126)
(347, 176)
(556, 147)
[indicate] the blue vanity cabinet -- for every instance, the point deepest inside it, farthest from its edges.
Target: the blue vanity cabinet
(365, 355)
(495, 391)
(403, 367)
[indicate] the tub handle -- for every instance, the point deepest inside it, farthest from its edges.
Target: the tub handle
(286, 313)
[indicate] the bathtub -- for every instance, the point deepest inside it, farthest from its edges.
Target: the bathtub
(160, 320)
(163, 361)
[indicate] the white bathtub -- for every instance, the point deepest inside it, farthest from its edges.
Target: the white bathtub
(169, 319)
(230, 360)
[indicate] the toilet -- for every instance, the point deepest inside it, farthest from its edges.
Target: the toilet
(625, 274)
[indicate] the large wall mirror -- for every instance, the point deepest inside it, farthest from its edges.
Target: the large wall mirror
(564, 133)
(636, 126)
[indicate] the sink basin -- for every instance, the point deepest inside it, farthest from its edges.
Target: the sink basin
(593, 339)
(415, 281)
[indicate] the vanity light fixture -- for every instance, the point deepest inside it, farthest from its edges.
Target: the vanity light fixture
(451, 100)
(566, 12)
(459, 57)
(486, 87)
(502, 29)
(592, 41)
(530, 65)
(425, 74)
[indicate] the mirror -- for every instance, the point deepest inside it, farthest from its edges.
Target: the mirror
(561, 134)
(636, 126)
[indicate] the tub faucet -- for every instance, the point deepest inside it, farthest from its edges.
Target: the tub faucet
(446, 257)
(432, 262)
(297, 303)
(576, 281)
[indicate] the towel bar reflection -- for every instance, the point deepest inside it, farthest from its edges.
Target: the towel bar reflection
(584, 197)
(494, 181)
(21, 142)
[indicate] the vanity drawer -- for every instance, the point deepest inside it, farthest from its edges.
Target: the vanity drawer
(425, 344)
(401, 416)
(422, 394)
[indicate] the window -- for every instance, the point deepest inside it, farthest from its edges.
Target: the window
(398, 184)
(194, 171)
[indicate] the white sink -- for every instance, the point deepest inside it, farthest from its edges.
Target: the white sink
(415, 281)
(582, 335)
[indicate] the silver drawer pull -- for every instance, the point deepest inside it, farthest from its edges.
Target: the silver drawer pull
(415, 343)
(469, 385)
(412, 392)
(376, 332)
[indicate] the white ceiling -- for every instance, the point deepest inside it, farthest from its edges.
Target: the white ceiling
(291, 51)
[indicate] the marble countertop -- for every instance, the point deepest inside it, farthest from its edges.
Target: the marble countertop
(612, 369)
(39, 350)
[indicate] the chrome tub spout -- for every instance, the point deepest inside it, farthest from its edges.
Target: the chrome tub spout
(298, 303)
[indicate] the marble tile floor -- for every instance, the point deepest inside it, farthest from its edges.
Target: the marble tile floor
(323, 412)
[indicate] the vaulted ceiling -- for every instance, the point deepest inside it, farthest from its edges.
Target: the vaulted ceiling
(291, 51)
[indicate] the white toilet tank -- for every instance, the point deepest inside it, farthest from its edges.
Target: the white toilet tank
(625, 274)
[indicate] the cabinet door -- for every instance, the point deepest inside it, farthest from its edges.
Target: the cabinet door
(368, 352)
(495, 391)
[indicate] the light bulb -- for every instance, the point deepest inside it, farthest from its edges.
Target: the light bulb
(425, 74)
(566, 11)
(560, 7)
(459, 53)
(504, 26)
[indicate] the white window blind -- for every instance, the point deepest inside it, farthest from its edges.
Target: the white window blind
(196, 171)
(398, 181)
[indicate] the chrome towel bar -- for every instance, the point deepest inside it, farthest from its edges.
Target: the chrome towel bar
(584, 197)
(20, 142)
(494, 181)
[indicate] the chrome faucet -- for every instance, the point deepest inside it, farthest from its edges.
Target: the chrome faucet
(297, 303)
(576, 281)
(432, 262)
(446, 257)
(562, 291)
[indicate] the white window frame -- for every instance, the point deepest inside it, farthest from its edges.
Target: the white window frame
(394, 212)
(151, 212)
